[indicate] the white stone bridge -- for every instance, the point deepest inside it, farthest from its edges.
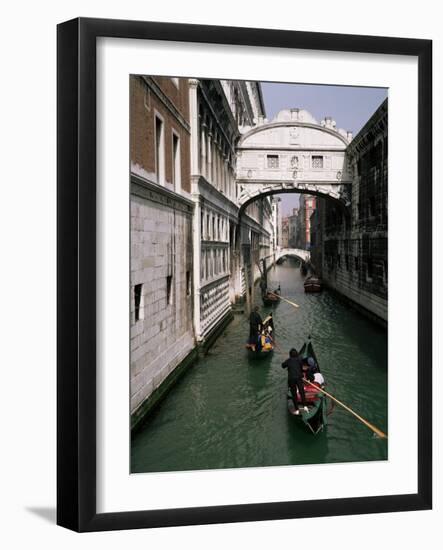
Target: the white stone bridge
(298, 253)
(294, 154)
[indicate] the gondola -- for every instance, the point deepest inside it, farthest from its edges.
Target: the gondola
(315, 418)
(313, 284)
(266, 345)
(271, 298)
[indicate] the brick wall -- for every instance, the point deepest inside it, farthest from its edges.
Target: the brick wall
(144, 104)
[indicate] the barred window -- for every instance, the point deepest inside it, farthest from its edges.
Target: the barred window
(317, 161)
(272, 161)
(138, 302)
(369, 270)
(188, 283)
(169, 289)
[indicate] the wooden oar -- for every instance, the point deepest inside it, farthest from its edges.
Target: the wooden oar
(365, 422)
(285, 299)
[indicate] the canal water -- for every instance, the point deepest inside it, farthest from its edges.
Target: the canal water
(230, 411)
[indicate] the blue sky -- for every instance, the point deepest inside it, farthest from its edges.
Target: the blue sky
(351, 107)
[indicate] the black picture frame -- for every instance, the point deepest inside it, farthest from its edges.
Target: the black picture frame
(76, 265)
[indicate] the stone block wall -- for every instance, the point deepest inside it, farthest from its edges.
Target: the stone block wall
(354, 245)
(161, 247)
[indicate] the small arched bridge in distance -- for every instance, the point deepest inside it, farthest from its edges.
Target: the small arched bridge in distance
(299, 253)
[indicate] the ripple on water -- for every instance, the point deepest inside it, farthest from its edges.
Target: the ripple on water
(229, 411)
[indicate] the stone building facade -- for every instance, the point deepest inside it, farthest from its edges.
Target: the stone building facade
(162, 333)
(194, 252)
(355, 240)
(276, 221)
(316, 236)
(219, 111)
(285, 232)
(293, 222)
(306, 209)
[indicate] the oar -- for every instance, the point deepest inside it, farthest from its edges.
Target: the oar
(285, 299)
(365, 422)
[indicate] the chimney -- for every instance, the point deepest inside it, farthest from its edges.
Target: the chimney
(294, 114)
(328, 122)
(349, 135)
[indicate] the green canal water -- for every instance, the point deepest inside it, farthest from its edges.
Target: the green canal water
(230, 411)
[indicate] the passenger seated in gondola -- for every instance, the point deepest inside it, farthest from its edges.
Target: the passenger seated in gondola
(266, 341)
(313, 373)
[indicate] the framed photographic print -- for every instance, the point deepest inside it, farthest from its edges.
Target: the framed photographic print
(231, 343)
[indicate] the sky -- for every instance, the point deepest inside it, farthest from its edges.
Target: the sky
(350, 106)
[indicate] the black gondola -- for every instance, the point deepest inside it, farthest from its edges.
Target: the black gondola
(313, 284)
(265, 340)
(315, 418)
(271, 297)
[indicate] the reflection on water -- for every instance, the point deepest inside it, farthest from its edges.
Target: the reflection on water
(230, 410)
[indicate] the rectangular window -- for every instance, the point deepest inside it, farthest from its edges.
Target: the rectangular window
(317, 161)
(176, 172)
(357, 263)
(138, 302)
(188, 283)
(169, 289)
(272, 161)
(159, 151)
(372, 207)
(369, 270)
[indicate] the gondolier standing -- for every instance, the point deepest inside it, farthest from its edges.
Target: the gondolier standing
(255, 325)
(295, 378)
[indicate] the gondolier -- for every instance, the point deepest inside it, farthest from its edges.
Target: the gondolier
(295, 378)
(255, 325)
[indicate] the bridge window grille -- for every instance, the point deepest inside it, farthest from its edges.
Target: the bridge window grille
(317, 161)
(273, 161)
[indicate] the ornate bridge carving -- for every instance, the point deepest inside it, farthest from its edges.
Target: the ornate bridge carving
(294, 153)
